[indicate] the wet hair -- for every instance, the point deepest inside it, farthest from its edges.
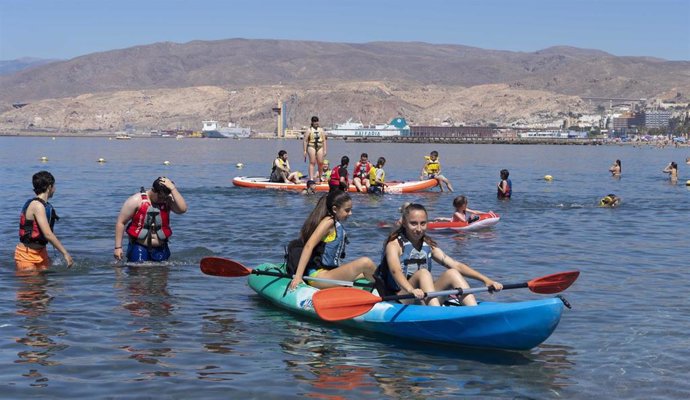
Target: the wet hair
(314, 119)
(41, 181)
(406, 211)
(674, 165)
(323, 209)
(345, 160)
(282, 153)
(380, 162)
(434, 153)
(160, 188)
(459, 201)
(310, 183)
(505, 174)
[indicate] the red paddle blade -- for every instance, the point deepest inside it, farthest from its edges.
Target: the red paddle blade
(553, 283)
(338, 303)
(223, 267)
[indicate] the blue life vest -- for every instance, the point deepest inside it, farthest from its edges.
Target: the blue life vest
(411, 260)
(333, 247)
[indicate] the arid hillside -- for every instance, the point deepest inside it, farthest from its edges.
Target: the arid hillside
(170, 86)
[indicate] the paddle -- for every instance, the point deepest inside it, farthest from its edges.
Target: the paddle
(218, 266)
(335, 304)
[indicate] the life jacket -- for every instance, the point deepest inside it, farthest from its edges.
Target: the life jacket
(335, 176)
(326, 176)
(362, 171)
(411, 260)
(150, 219)
(508, 192)
(316, 137)
(432, 167)
(29, 231)
(372, 176)
(283, 164)
(327, 254)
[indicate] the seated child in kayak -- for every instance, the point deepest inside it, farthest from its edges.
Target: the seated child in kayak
(462, 213)
(407, 261)
(610, 200)
(323, 239)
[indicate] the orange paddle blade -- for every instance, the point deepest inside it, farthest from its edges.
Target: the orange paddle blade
(223, 267)
(335, 304)
(553, 283)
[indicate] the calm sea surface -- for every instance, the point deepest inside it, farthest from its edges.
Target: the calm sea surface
(102, 330)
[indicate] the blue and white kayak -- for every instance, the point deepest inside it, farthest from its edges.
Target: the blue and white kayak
(508, 326)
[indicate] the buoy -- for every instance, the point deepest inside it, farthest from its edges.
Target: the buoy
(166, 162)
(44, 158)
(53, 137)
(101, 160)
(239, 165)
(548, 177)
(687, 183)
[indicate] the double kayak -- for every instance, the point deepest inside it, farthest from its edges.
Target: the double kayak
(393, 187)
(507, 326)
(486, 220)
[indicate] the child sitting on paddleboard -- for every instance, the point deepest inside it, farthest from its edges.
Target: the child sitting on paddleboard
(462, 213)
(339, 179)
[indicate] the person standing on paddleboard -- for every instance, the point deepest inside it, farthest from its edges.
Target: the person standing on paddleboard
(148, 214)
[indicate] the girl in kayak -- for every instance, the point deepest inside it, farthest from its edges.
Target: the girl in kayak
(407, 262)
(462, 213)
(324, 240)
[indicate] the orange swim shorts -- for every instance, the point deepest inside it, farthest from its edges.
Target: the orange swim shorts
(27, 258)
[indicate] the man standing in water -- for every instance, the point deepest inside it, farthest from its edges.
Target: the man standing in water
(148, 213)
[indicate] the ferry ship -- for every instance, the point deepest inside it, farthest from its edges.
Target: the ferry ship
(232, 131)
(397, 127)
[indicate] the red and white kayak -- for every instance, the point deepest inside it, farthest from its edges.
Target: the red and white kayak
(393, 187)
(485, 220)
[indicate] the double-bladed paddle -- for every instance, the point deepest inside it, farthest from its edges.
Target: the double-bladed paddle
(218, 266)
(335, 304)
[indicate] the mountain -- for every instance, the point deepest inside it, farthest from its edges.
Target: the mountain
(337, 80)
(11, 66)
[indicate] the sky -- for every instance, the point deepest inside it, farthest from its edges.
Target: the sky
(64, 29)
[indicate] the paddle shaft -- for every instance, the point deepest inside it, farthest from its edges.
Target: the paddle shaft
(459, 292)
(309, 278)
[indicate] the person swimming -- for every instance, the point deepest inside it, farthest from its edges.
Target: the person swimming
(610, 200)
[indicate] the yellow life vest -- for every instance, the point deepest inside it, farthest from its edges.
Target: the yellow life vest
(432, 167)
(372, 175)
(316, 137)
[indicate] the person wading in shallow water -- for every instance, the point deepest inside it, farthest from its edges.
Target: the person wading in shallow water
(148, 214)
(36, 227)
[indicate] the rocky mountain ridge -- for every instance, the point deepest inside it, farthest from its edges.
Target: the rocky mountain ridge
(170, 86)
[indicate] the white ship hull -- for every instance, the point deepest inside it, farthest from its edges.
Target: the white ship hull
(211, 130)
(397, 127)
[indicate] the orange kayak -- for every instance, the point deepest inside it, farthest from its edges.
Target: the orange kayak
(393, 187)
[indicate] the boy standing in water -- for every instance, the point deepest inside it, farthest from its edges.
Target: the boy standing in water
(36, 227)
(432, 170)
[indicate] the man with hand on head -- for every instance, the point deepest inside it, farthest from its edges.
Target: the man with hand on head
(148, 214)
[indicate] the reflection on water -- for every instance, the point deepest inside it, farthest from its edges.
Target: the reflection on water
(33, 302)
(143, 292)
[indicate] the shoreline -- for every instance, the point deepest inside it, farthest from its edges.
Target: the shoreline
(410, 140)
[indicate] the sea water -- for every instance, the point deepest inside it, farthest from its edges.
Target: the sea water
(104, 330)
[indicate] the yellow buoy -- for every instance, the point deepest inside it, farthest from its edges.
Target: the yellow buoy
(44, 158)
(239, 165)
(548, 177)
(166, 162)
(101, 160)
(687, 183)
